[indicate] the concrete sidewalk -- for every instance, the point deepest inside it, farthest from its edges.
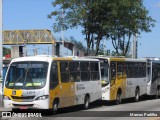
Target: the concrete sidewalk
(1, 105)
(2, 109)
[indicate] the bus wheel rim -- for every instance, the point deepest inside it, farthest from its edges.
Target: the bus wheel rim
(137, 95)
(118, 98)
(86, 103)
(55, 107)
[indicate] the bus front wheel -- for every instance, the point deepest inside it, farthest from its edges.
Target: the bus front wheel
(55, 107)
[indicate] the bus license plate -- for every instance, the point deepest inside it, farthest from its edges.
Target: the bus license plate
(23, 107)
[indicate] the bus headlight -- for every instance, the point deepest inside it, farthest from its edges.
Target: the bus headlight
(42, 97)
(6, 98)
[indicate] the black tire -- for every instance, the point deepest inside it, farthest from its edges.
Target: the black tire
(55, 107)
(137, 95)
(118, 98)
(157, 93)
(86, 102)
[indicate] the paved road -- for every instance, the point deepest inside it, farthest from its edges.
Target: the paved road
(0, 96)
(0, 100)
(0, 88)
(104, 111)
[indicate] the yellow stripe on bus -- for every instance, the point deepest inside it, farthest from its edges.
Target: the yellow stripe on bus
(10, 92)
(61, 59)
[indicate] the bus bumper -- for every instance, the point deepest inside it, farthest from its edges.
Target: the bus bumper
(37, 104)
(148, 90)
(105, 94)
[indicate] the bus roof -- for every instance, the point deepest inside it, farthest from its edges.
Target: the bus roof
(48, 58)
(116, 58)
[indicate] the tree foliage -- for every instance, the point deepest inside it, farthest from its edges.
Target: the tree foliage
(130, 18)
(103, 19)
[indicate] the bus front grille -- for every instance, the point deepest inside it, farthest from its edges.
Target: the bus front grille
(22, 97)
(18, 105)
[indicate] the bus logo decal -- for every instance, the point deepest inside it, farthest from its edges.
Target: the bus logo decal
(80, 87)
(13, 92)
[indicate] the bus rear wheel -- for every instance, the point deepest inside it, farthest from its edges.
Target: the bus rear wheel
(86, 102)
(137, 95)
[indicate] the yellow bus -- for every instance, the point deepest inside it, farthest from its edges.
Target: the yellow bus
(122, 78)
(45, 82)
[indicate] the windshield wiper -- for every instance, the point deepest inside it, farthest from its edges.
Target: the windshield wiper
(13, 86)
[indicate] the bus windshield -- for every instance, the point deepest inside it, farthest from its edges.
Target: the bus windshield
(104, 73)
(27, 75)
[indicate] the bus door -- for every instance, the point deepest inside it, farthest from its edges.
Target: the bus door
(155, 76)
(113, 91)
(149, 71)
(54, 82)
(121, 79)
(67, 86)
(158, 81)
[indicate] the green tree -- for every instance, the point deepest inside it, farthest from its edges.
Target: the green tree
(6, 51)
(130, 17)
(103, 19)
(89, 14)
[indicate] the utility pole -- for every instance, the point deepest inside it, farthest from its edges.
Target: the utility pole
(1, 44)
(62, 31)
(135, 46)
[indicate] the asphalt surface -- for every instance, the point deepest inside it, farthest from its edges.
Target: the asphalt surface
(145, 109)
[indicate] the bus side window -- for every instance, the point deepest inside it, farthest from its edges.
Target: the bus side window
(119, 70)
(64, 69)
(74, 69)
(113, 70)
(85, 71)
(53, 76)
(131, 67)
(94, 71)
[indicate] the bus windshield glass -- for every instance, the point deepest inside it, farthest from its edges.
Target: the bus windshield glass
(104, 73)
(27, 75)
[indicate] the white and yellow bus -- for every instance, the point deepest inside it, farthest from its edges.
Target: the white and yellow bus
(122, 78)
(42, 82)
